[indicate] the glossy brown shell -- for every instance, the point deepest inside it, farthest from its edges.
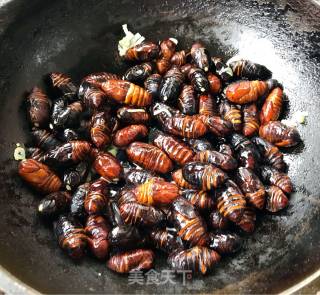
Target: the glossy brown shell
(69, 153)
(129, 134)
(137, 176)
(138, 73)
(216, 125)
(39, 176)
(215, 83)
(149, 157)
(231, 113)
(252, 187)
(248, 220)
(200, 56)
(251, 121)
(54, 204)
(178, 178)
(100, 77)
(202, 200)
(224, 243)
(207, 105)
(179, 58)
(156, 191)
(163, 65)
(203, 175)
(217, 221)
(274, 177)
(231, 202)
(138, 214)
(107, 166)
(243, 92)
(97, 199)
(174, 148)
(166, 241)
(170, 86)
(71, 236)
(91, 96)
(38, 107)
(126, 93)
(272, 155)
(100, 132)
(276, 199)
(272, 106)
(64, 83)
(221, 160)
(197, 259)
(167, 48)
(185, 126)
(189, 224)
(131, 115)
(131, 261)
(145, 51)
(247, 69)
(187, 102)
(280, 134)
(97, 231)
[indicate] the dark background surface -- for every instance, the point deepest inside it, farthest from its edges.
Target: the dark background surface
(80, 37)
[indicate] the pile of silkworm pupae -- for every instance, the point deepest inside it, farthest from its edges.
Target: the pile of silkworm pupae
(177, 155)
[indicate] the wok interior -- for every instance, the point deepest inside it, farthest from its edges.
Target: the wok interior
(80, 37)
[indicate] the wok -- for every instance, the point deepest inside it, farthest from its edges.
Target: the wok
(80, 37)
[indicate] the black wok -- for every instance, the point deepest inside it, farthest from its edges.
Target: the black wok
(80, 37)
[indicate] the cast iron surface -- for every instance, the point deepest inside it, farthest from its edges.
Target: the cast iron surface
(80, 37)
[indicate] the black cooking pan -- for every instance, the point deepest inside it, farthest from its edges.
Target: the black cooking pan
(80, 37)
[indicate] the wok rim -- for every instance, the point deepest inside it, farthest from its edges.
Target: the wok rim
(12, 285)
